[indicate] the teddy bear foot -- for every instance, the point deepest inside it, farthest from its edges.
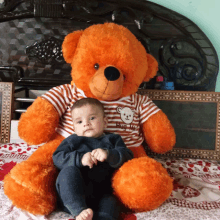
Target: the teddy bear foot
(142, 184)
(33, 193)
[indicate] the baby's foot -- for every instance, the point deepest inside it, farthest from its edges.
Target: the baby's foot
(86, 214)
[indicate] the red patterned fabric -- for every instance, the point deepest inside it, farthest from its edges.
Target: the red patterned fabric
(5, 168)
(196, 183)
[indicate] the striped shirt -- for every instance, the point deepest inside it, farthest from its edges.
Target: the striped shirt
(125, 115)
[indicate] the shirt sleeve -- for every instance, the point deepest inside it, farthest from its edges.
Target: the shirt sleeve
(65, 156)
(146, 108)
(60, 97)
(119, 154)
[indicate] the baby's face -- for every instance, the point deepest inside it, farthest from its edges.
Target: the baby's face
(89, 121)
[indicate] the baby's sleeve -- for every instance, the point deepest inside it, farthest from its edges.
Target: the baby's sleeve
(66, 156)
(119, 154)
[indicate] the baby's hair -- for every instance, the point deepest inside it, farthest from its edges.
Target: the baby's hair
(88, 101)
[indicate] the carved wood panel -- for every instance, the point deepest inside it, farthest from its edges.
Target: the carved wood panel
(32, 32)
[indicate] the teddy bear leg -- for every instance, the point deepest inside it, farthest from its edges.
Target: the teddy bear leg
(138, 151)
(43, 154)
(31, 184)
(142, 184)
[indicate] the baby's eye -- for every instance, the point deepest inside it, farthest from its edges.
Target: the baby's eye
(79, 122)
(92, 118)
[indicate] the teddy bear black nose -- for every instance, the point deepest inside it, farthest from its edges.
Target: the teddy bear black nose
(112, 73)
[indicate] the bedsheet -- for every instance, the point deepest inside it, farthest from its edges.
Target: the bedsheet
(195, 195)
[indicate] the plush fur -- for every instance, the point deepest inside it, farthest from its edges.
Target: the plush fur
(31, 183)
(141, 184)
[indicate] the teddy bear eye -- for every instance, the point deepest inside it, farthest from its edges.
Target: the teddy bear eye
(96, 66)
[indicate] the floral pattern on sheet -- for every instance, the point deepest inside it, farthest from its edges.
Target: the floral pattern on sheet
(11, 154)
(5, 168)
(171, 212)
(20, 148)
(196, 182)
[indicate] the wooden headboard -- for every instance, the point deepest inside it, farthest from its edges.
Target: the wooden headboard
(32, 33)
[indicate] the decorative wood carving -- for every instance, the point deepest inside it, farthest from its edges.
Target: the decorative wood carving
(6, 101)
(185, 54)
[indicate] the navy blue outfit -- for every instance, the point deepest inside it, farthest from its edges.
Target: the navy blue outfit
(80, 187)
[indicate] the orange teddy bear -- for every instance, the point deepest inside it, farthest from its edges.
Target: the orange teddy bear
(108, 63)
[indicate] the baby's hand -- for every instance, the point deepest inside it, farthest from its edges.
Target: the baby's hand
(88, 160)
(100, 154)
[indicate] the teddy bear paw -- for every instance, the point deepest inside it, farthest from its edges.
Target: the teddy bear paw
(31, 187)
(142, 184)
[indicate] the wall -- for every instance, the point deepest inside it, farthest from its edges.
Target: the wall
(204, 13)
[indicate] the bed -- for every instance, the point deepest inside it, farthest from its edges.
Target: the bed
(31, 60)
(196, 193)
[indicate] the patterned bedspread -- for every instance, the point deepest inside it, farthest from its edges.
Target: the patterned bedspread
(196, 193)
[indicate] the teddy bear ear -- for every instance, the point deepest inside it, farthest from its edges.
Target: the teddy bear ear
(152, 68)
(70, 44)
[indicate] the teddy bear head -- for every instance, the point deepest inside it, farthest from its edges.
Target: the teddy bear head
(107, 60)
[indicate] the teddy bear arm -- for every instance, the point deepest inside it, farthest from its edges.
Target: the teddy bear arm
(159, 133)
(38, 123)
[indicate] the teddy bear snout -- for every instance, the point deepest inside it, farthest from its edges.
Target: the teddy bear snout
(111, 73)
(107, 83)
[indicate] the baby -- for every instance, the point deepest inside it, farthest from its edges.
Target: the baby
(87, 160)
